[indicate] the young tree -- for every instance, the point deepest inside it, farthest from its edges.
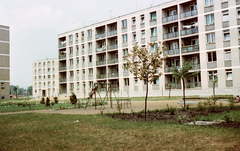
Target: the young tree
(29, 90)
(214, 84)
(16, 89)
(170, 87)
(145, 63)
(183, 73)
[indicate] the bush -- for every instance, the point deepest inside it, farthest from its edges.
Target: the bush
(52, 103)
(48, 102)
(73, 98)
(42, 101)
(56, 100)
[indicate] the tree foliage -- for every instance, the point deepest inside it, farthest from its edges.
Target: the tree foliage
(15, 89)
(145, 64)
(29, 90)
(182, 74)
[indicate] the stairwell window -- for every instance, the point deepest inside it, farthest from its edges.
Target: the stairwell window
(212, 56)
(153, 16)
(208, 2)
(124, 23)
(226, 34)
(209, 19)
(210, 38)
(153, 32)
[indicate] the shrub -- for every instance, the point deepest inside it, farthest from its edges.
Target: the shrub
(73, 98)
(119, 107)
(56, 100)
(52, 103)
(42, 101)
(48, 101)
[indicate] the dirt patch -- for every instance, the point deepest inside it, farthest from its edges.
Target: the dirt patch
(177, 116)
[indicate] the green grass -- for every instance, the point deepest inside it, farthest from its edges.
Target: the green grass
(15, 100)
(33, 131)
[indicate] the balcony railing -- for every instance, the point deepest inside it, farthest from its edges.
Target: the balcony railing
(62, 56)
(115, 60)
(77, 53)
(173, 86)
(62, 68)
(70, 66)
(111, 33)
(63, 91)
(195, 66)
(168, 69)
(62, 80)
(110, 47)
(70, 78)
(100, 35)
(103, 62)
(70, 42)
(190, 48)
(101, 76)
(62, 45)
(170, 35)
(188, 14)
(112, 75)
(71, 55)
(83, 52)
(169, 18)
(189, 31)
(193, 84)
(172, 52)
(101, 49)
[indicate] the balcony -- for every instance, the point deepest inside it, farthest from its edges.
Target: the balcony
(193, 85)
(188, 14)
(172, 52)
(71, 55)
(101, 49)
(63, 91)
(101, 76)
(168, 69)
(62, 45)
(62, 80)
(191, 48)
(100, 35)
(111, 33)
(62, 68)
(115, 60)
(70, 78)
(170, 35)
(169, 18)
(173, 86)
(195, 66)
(111, 47)
(112, 75)
(189, 31)
(70, 66)
(115, 88)
(102, 62)
(62, 56)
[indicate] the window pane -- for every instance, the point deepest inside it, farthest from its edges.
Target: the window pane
(213, 37)
(212, 18)
(208, 38)
(207, 19)
(229, 76)
(209, 57)
(214, 56)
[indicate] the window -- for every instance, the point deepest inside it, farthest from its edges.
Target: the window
(225, 16)
(70, 37)
(77, 73)
(77, 85)
(208, 2)
(210, 38)
(90, 84)
(125, 67)
(142, 19)
(212, 56)
(82, 47)
(212, 75)
(226, 35)
(135, 81)
(228, 55)
(76, 35)
(134, 36)
(143, 33)
(71, 61)
(133, 21)
(238, 12)
(153, 16)
(77, 60)
(90, 46)
(2, 85)
(125, 52)
(70, 50)
(154, 47)
(124, 23)
(125, 38)
(83, 60)
(126, 82)
(210, 19)
(229, 74)
(90, 58)
(153, 32)
(90, 71)
(156, 81)
(83, 72)
(71, 73)
(90, 33)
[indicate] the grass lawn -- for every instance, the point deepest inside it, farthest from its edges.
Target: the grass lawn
(33, 131)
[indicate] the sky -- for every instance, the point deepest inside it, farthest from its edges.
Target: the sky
(35, 25)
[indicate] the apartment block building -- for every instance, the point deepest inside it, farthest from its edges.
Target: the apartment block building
(45, 78)
(204, 32)
(4, 62)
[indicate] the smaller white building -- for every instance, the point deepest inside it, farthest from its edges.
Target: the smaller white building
(45, 78)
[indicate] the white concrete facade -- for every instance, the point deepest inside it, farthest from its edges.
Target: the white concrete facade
(205, 32)
(45, 78)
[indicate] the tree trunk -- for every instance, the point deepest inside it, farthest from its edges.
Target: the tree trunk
(213, 89)
(183, 92)
(169, 90)
(146, 101)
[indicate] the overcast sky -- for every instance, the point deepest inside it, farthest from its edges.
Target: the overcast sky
(35, 24)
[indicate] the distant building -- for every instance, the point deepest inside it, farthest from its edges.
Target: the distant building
(4, 62)
(45, 78)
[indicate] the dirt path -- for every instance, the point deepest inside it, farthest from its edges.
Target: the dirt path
(135, 106)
